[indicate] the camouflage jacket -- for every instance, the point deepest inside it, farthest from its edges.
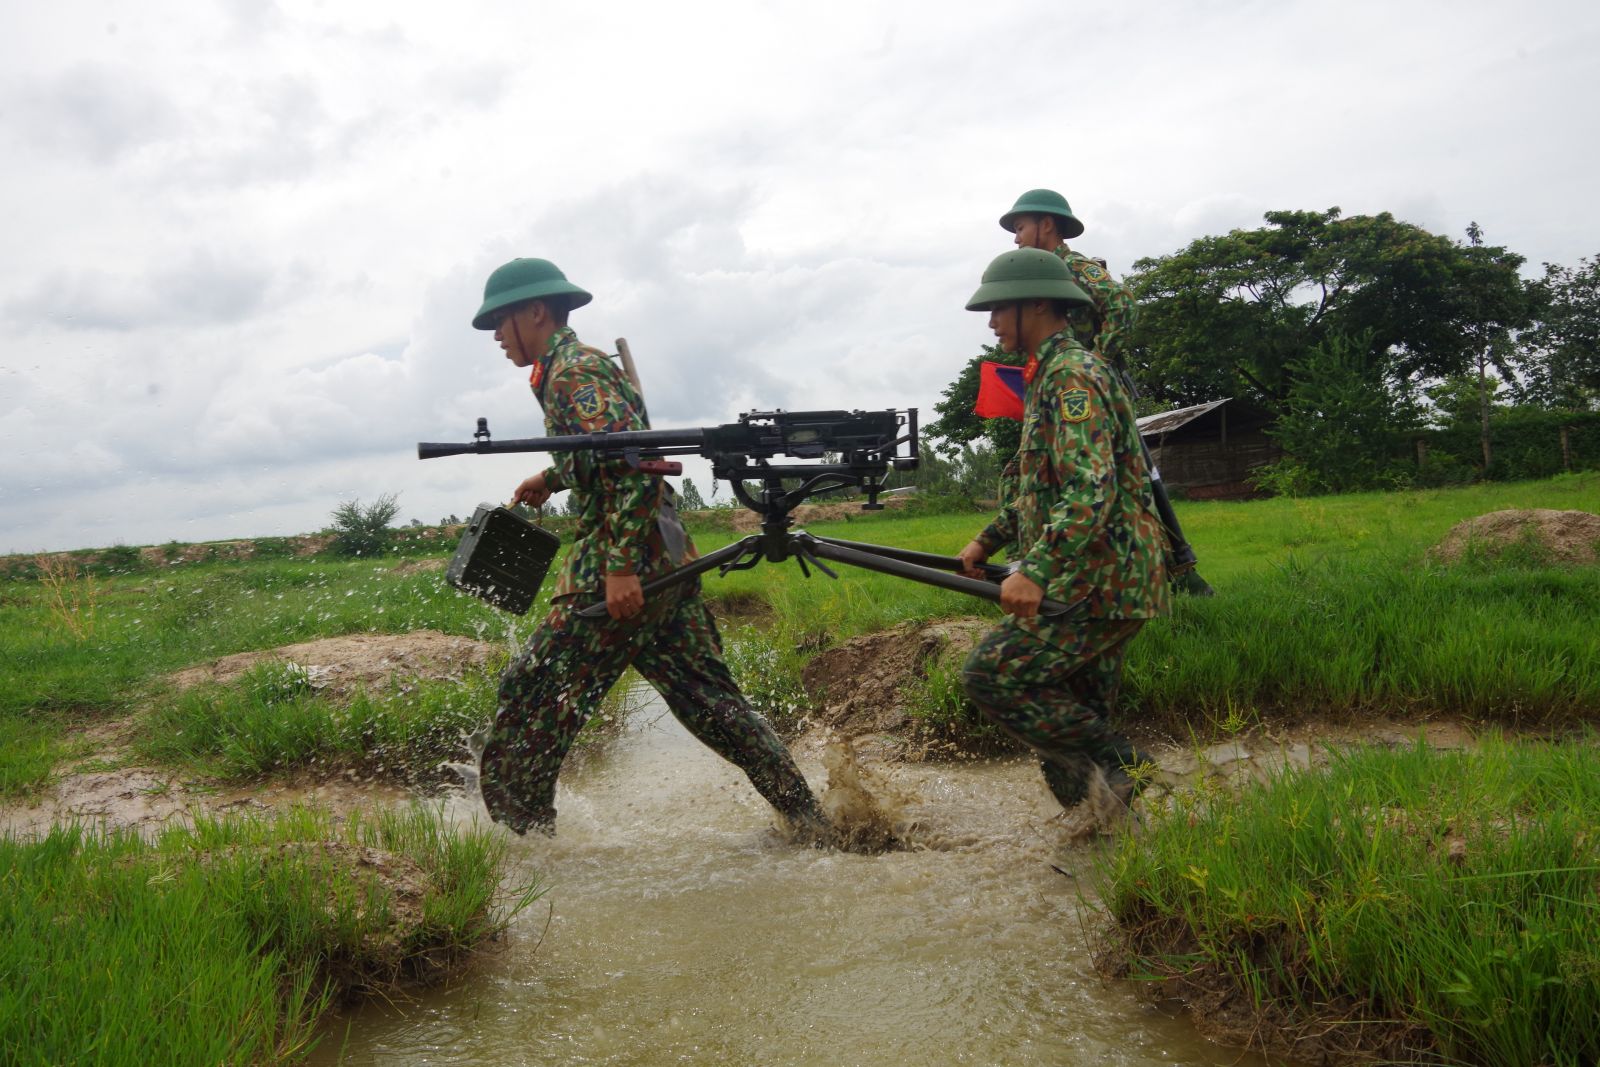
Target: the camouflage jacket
(582, 390)
(1083, 512)
(1104, 328)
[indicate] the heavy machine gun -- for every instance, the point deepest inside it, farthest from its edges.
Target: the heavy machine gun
(845, 449)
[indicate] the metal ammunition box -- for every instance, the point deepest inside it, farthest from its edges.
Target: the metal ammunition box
(502, 558)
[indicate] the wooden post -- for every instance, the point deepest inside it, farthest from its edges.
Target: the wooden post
(1566, 449)
(1422, 451)
(627, 364)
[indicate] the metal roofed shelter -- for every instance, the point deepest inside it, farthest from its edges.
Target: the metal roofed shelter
(1208, 450)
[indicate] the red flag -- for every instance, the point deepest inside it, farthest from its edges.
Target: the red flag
(1000, 389)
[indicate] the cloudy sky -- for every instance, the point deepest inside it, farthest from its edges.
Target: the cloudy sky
(242, 241)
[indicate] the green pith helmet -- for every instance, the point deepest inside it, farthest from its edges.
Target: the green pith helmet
(1044, 202)
(524, 279)
(1026, 274)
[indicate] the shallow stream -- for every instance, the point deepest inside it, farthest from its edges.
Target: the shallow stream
(681, 928)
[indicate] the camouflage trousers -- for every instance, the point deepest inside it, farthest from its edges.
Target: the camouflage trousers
(549, 692)
(1054, 688)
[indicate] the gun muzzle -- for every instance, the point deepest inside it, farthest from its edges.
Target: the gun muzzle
(435, 449)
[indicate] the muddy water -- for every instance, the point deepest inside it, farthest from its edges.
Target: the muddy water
(681, 928)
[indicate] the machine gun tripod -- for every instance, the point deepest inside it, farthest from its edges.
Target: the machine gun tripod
(779, 541)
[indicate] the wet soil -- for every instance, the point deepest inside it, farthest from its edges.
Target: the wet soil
(865, 686)
(101, 787)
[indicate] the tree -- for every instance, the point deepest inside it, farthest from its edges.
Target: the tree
(1493, 308)
(1235, 314)
(1344, 422)
(364, 531)
(692, 500)
(1560, 363)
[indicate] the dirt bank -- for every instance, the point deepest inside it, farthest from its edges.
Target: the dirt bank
(868, 685)
(339, 665)
(868, 690)
(101, 787)
(747, 521)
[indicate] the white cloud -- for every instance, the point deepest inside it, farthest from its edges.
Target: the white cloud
(245, 240)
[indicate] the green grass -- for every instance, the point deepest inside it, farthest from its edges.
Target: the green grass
(1426, 906)
(148, 625)
(223, 943)
(271, 721)
(1324, 606)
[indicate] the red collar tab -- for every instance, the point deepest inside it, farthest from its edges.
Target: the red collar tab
(1030, 368)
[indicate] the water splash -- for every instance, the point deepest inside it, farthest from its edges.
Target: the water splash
(468, 772)
(865, 810)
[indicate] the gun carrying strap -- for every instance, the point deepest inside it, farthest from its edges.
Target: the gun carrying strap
(674, 538)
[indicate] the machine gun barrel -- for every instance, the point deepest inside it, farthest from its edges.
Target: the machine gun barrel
(863, 439)
(654, 441)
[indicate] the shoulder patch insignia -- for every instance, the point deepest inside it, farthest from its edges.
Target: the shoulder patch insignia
(1092, 271)
(588, 401)
(1075, 405)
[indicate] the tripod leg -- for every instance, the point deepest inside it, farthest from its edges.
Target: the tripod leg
(710, 561)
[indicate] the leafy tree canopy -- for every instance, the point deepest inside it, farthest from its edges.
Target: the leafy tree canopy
(1561, 364)
(1235, 314)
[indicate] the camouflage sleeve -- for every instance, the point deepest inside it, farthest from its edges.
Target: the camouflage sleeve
(1002, 532)
(559, 475)
(589, 400)
(1118, 312)
(1079, 445)
(1115, 309)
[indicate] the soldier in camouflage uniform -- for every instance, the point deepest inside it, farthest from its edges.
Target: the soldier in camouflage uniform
(1042, 218)
(1085, 519)
(626, 532)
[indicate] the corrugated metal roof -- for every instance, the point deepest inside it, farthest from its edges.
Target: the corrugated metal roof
(1167, 421)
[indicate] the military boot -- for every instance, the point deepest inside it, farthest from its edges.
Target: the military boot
(1068, 781)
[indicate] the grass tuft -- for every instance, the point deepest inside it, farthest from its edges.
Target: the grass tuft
(223, 943)
(1410, 904)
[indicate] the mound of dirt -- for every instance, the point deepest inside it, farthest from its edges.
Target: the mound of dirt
(1564, 536)
(419, 566)
(745, 521)
(339, 665)
(860, 687)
